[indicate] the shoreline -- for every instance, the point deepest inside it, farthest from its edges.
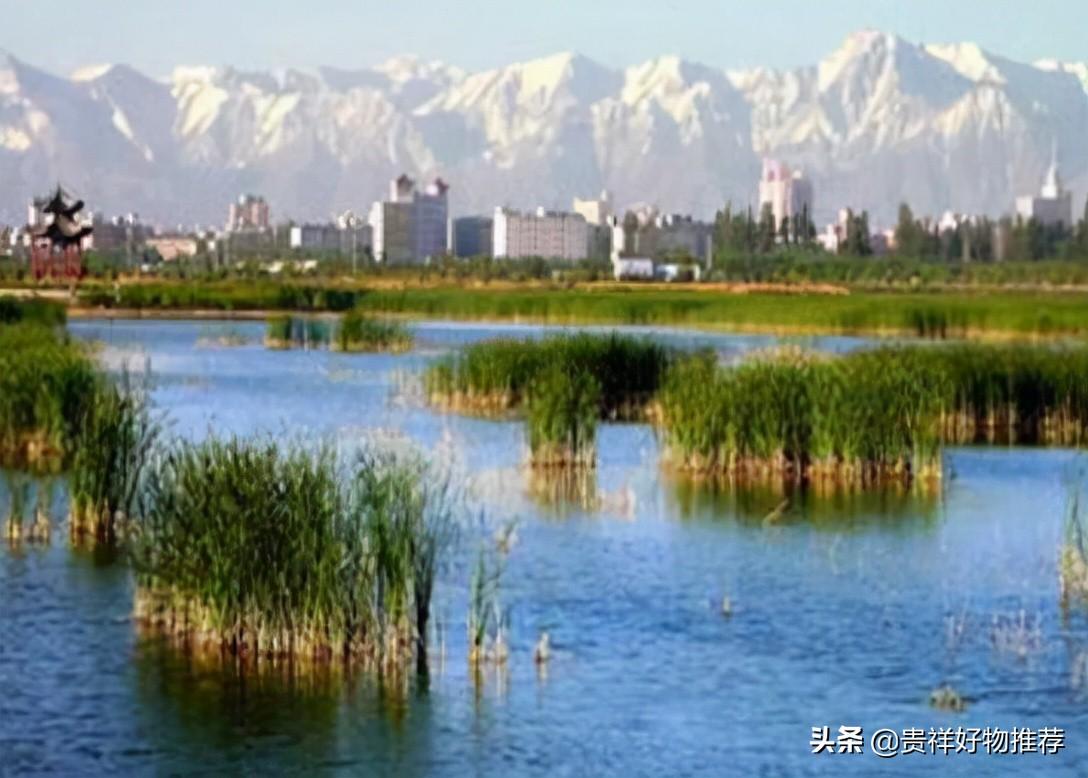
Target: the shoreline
(748, 328)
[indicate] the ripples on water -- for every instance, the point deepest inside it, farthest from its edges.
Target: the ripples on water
(845, 612)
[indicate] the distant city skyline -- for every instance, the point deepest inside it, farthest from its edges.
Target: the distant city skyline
(481, 34)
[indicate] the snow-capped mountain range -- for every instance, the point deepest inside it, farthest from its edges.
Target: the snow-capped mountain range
(879, 121)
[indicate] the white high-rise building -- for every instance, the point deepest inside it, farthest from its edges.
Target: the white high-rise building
(1053, 205)
(549, 234)
(787, 192)
(411, 226)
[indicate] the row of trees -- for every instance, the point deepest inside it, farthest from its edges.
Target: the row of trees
(983, 239)
(738, 233)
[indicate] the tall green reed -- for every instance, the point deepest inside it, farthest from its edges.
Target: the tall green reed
(263, 550)
(108, 475)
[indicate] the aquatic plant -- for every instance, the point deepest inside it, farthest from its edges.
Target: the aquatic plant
(361, 332)
(946, 698)
(42, 528)
(46, 383)
(1073, 562)
(562, 420)
(869, 417)
(286, 332)
(266, 551)
(1017, 635)
(18, 489)
(32, 310)
(496, 376)
(485, 620)
(109, 469)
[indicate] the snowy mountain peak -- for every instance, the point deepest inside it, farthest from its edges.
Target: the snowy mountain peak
(878, 121)
(91, 72)
(1077, 69)
(969, 60)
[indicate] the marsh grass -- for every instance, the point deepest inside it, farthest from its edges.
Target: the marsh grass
(32, 311)
(495, 377)
(46, 384)
(18, 488)
(109, 470)
(360, 332)
(1073, 562)
(288, 332)
(871, 417)
(486, 619)
(283, 553)
(562, 419)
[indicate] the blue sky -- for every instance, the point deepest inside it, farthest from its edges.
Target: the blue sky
(153, 35)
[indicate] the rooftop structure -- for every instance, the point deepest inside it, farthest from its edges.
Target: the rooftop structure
(411, 226)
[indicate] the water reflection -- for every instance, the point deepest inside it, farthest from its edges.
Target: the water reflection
(701, 498)
(311, 716)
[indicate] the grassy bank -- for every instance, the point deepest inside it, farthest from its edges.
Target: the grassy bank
(870, 417)
(925, 314)
(935, 315)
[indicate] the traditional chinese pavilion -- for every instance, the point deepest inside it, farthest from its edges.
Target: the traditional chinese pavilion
(57, 237)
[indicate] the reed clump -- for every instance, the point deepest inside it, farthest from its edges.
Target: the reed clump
(562, 419)
(109, 470)
(789, 420)
(46, 383)
(263, 551)
(496, 376)
(359, 332)
(288, 332)
(870, 417)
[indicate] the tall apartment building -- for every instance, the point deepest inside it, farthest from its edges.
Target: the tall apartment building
(549, 234)
(1053, 205)
(787, 192)
(411, 226)
(249, 212)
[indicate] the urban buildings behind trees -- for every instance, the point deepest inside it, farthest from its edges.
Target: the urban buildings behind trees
(787, 193)
(1053, 206)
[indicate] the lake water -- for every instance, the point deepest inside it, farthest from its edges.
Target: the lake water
(846, 613)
